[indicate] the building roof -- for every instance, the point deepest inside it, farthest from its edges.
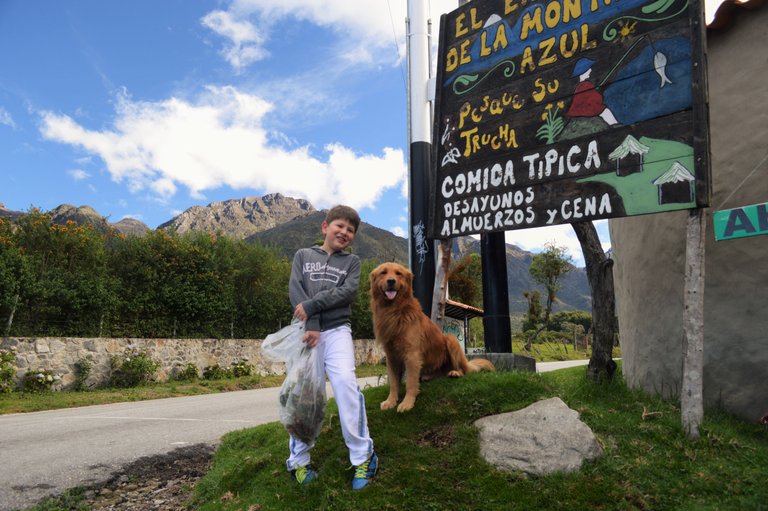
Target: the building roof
(676, 174)
(729, 9)
(461, 311)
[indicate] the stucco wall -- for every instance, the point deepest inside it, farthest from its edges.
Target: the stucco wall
(649, 251)
(61, 354)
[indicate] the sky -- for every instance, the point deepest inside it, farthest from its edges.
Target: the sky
(145, 108)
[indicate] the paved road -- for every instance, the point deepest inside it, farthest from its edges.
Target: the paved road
(44, 453)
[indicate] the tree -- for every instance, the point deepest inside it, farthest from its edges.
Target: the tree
(465, 280)
(14, 276)
(600, 275)
(362, 324)
(577, 317)
(547, 268)
(68, 291)
(533, 316)
(261, 290)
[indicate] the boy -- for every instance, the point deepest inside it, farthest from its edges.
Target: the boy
(323, 285)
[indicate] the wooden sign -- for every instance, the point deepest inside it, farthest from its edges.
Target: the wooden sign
(552, 112)
(741, 222)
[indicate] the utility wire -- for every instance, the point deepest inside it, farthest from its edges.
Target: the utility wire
(397, 47)
(743, 181)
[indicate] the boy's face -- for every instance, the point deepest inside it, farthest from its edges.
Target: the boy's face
(338, 234)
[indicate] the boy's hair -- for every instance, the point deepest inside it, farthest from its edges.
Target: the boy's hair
(345, 213)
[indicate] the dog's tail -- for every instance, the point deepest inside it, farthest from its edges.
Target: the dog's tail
(480, 364)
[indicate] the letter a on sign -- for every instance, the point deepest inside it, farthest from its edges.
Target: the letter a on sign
(741, 222)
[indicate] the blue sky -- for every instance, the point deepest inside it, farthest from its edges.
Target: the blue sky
(144, 108)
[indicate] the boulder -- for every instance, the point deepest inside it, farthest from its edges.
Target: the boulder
(543, 438)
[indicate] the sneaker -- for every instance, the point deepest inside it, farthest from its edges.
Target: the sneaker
(365, 472)
(304, 474)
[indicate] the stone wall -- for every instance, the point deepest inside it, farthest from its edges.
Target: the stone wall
(61, 354)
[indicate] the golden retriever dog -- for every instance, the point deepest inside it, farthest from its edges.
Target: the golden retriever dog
(412, 343)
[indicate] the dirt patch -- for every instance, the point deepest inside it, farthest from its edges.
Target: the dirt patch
(439, 438)
(154, 483)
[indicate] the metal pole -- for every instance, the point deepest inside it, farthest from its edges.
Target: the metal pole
(421, 250)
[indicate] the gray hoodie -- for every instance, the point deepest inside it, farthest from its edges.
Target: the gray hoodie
(326, 285)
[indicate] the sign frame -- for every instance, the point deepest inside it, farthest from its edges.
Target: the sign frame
(500, 160)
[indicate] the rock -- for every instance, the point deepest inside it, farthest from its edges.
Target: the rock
(543, 438)
(131, 227)
(240, 218)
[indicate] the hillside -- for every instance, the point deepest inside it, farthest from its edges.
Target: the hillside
(370, 242)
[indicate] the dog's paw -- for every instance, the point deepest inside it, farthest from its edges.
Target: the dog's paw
(406, 405)
(455, 374)
(388, 404)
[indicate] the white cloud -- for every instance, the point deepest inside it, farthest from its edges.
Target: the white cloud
(398, 231)
(536, 239)
(6, 119)
(369, 31)
(220, 139)
(246, 42)
(78, 174)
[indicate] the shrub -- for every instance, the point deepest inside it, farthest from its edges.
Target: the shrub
(7, 371)
(132, 368)
(189, 372)
(242, 368)
(216, 372)
(560, 320)
(40, 380)
(83, 368)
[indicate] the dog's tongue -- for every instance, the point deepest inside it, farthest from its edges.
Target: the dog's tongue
(390, 294)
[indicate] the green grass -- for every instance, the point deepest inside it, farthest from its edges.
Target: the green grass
(21, 402)
(555, 351)
(430, 456)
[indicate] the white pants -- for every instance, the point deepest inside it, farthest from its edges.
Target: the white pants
(338, 353)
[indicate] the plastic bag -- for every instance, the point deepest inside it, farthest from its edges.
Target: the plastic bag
(302, 396)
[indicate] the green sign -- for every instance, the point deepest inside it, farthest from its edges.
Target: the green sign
(741, 222)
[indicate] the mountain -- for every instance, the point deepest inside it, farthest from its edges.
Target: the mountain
(131, 227)
(9, 213)
(80, 215)
(370, 242)
(240, 218)
(87, 215)
(574, 294)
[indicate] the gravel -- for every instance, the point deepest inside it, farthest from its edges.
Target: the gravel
(153, 483)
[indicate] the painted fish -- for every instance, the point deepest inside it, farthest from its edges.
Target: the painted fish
(660, 63)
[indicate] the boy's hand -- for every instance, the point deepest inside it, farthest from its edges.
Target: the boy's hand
(299, 313)
(311, 338)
